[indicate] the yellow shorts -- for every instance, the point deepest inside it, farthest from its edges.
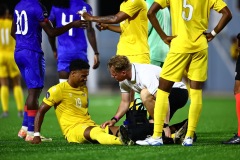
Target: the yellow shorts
(140, 58)
(8, 66)
(196, 65)
(76, 134)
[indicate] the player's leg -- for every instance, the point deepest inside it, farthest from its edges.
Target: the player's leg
(197, 74)
(95, 133)
(4, 82)
(172, 71)
(17, 88)
(32, 68)
(148, 101)
(178, 98)
(236, 138)
(4, 96)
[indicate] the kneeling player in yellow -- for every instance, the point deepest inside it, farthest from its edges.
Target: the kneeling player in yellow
(70, 100)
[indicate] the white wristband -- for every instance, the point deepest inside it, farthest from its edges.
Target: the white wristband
(36, 134)
(213, 33)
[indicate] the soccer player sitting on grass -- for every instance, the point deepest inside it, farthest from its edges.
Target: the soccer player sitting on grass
(70, 100)
(143, 79)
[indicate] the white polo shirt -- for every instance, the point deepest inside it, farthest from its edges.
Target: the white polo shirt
(145, 76)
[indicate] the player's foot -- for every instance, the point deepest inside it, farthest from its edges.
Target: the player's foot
(124, 136)
(22, 133)
(188, 141)
(234, 140)
(29, 138)
(150, 141)
(4, 115)
(180, 134)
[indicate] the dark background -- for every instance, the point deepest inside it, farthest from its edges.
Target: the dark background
(106, 7)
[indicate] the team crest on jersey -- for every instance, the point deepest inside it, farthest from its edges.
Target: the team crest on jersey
(78, 103)
(47, 95)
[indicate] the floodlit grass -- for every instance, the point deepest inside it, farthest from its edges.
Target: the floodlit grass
(217, 123)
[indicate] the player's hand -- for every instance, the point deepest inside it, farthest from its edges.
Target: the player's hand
(36, 140)
(168, 39)
(96, 61)
(209, 36)
(101, 26)
(80, 24)
(108, 123)
(167, 132)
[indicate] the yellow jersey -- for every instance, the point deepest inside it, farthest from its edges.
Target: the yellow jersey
(71, 105)
(189, 22)
(7, 43)
(133, 38)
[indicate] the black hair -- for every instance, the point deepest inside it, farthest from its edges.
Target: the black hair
(78, 64)
(61, 3)
(3, 9)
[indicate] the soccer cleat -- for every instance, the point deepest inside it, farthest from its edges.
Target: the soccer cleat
(187, 142)
(124, 136)
(234, 140)
(29, 138)
(150, 141)
(22, 133)
(180, 134)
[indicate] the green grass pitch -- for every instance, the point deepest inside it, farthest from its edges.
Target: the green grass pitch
(218, 122)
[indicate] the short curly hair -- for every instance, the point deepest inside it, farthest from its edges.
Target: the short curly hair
(78, 64)
(119, 63)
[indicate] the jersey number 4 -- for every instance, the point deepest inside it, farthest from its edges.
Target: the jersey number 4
(190, 12)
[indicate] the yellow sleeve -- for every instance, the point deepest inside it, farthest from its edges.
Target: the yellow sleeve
(53, 96)
(163, 3)
(131, 7)
(218, 5)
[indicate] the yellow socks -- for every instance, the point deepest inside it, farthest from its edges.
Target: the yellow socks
(4, 98)
(102, 137)
(160, 112)
(194, 111)
(18, 95)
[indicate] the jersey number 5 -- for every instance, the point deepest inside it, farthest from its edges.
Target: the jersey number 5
(187, 6)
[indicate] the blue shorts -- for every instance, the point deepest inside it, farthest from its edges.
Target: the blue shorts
(32, 67)
(63, 64)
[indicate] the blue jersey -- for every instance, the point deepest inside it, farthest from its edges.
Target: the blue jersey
(27, 15)
(71, 44)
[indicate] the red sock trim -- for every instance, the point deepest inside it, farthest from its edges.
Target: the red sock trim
(32, 113)
(237, 97)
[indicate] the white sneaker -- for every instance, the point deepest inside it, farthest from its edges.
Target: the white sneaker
(188, 141)
(150, 141)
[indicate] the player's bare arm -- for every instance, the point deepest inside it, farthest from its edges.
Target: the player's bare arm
(38, 121)
(111, 19)
(52, 32)
(103, 26)
(155, 23)
(122, 110)
(93, 42)
(226, 17)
